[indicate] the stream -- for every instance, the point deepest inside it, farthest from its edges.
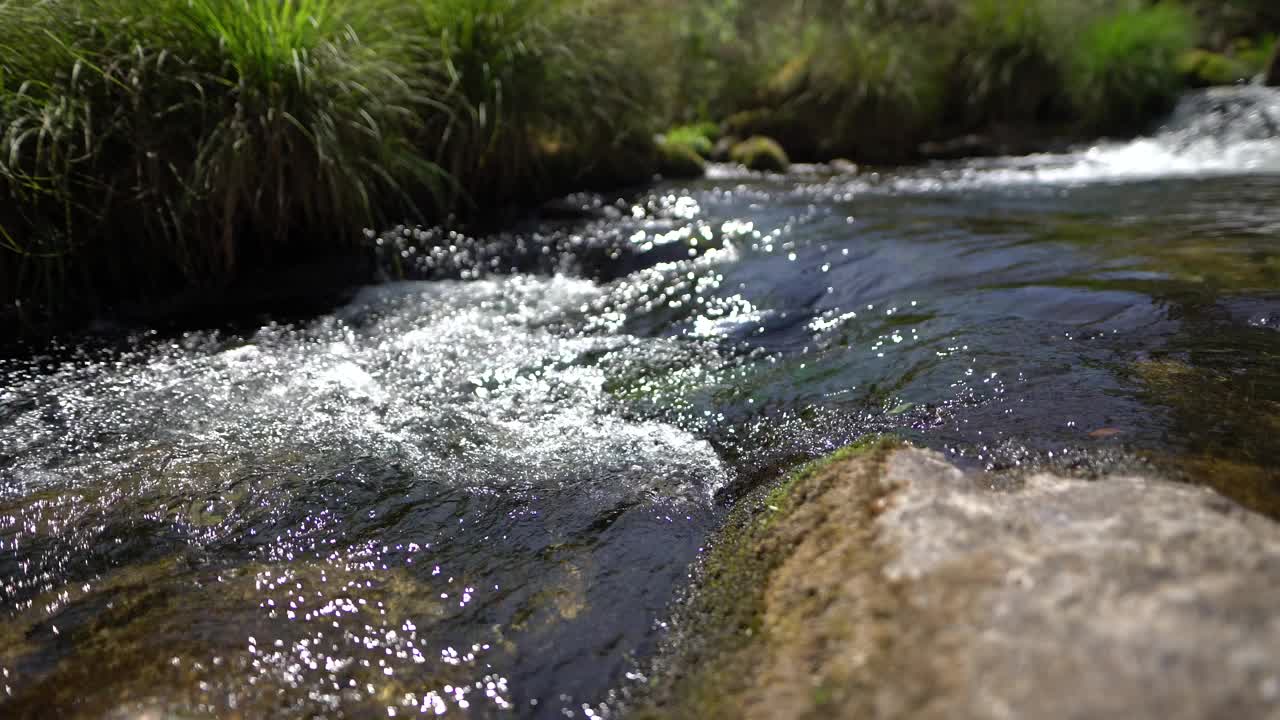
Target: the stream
(478, 490)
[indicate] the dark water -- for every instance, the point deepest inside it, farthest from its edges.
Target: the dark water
(478, 495)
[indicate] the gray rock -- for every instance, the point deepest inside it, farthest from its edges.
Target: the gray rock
(1119, 598)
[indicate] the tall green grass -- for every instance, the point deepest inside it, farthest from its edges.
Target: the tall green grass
(148, 146)
(526, 82)
(156, 142)
(152, 145)
(874, 76)
(1124, 66)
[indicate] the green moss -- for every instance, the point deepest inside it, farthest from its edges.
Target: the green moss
(760, 153)
(723, 633)
(683, 138)
(1254, 54)
(700, 137)
(680, 161)
(1202, 68)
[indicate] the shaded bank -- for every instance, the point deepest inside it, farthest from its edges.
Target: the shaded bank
(883, 582)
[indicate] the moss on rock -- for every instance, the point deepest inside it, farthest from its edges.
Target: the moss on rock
(760, 153)
(1202, 68)
(888, 583)
(699, 137)
(678, 160)
(731, 632)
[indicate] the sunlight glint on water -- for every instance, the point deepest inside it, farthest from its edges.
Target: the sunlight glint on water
(483, 495)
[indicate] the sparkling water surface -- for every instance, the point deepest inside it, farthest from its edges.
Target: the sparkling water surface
(478, 490)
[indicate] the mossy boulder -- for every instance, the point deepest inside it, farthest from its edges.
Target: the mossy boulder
(1202, 68)
(885, 582)
(679, 160)
(760, 153)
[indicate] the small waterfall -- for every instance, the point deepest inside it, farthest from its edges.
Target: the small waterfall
(1225, 130)
(1217, 131)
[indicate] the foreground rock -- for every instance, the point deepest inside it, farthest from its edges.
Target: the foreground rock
(886, 583)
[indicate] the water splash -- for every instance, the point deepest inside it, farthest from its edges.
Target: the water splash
(1218, 131)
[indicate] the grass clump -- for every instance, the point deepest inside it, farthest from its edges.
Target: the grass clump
(1124, 67)
(1008, 64)
(167, 142)
(874, 80)
(151, 146)
(529, 87)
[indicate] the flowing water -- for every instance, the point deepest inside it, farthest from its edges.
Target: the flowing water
(478, 491)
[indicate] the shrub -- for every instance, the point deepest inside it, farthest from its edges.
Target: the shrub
(151, 145)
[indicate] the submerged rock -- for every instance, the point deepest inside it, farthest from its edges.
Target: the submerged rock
(887, 583)
(760, 153)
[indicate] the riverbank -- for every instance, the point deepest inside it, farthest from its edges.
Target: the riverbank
(884, 582)
(160, 149)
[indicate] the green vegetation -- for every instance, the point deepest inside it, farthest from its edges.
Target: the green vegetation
(1124, 66)
(1202, 68)
(700, 138)
(153, 146)
(178, 136)
(747, 603)
(678, 160)
(760, 153)
(150, 146)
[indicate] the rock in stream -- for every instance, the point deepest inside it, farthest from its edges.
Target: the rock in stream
(887, 583)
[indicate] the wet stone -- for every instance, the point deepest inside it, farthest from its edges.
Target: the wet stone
(893, 584)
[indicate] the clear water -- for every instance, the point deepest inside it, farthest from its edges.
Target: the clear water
(477, 491)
